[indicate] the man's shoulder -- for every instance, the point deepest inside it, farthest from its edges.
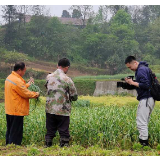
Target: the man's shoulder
(13, 78)
(143, 71)
(143, 68)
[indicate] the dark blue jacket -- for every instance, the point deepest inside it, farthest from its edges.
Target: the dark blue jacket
(143, 78)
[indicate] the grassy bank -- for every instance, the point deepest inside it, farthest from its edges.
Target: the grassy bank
(84, 87)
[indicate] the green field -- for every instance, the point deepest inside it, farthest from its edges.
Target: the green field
(95, 130)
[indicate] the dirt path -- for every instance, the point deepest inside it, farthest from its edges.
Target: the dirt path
(51, 68)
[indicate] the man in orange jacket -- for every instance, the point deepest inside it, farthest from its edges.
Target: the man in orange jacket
(17, 103)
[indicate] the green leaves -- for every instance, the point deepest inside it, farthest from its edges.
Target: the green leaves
(35, 101)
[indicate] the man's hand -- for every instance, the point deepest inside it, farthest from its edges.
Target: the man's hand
(131, 82)
(38, 94)
(31, 80)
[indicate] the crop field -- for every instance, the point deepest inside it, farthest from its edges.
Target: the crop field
(98, 126)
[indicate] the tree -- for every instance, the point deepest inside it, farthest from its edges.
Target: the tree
(113, 9)
(154, 36)
(85, 10)
(9, 13)
(146, 16)
(10, 16)
(65, 14)
(76, 13)
(155, 9)
(102, 15)
(122, 28)
(37, 10)
(22, 11)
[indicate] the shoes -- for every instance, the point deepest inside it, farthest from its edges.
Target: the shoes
(64, 142)
(143, 142)
(48, 144)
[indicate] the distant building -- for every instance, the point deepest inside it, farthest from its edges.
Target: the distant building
(67, 21)
(72, 21)
(28, 18)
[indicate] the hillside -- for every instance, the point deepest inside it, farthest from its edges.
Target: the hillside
(51, 67)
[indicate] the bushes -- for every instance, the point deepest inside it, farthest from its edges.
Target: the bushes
(40, 84)
(2, 89)
(36, 74)
(85, 87)
(90, 70)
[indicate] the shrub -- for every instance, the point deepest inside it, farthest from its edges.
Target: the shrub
(85, 87)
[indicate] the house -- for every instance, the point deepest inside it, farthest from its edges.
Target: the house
(72, 21)
(68, 21)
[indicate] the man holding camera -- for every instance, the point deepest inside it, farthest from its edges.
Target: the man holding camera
(146, 101)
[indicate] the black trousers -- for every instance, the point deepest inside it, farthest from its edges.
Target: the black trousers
(54, 123)
(14, 129)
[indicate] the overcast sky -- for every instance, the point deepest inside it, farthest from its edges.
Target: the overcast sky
(55, 10)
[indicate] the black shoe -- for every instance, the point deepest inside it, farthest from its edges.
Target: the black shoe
(143, 142)
(64, 142)
(48, 144)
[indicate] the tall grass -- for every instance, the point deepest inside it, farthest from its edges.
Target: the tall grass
(106, 126)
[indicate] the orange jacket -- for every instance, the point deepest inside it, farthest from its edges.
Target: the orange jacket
(17, 95)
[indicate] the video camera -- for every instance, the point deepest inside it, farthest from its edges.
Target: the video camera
(125, 85)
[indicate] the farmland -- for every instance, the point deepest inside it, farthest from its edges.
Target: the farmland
(99, 126)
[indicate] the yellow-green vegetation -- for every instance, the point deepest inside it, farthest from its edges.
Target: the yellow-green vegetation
(98, 126)
(111, 100)
(1, 89)
(73, 150)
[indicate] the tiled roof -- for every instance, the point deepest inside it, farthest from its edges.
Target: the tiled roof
(72, 21)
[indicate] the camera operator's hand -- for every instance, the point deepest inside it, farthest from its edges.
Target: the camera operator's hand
(131, 82)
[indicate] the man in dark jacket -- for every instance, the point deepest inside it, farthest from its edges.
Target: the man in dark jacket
(146, 101)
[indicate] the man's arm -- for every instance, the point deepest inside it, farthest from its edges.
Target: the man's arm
(144, 81)
(131, 82)
(72, 91)
(22, 90)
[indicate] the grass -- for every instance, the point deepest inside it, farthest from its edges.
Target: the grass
(103, 77)
(73, 150)
(98, 126)
(111, 100)
(107, 77)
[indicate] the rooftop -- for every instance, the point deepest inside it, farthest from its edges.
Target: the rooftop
(72, 21)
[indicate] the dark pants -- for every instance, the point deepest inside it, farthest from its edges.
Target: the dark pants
(54, 123)
(14, 129)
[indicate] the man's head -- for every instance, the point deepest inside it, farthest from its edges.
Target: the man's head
(20, 68)
(131, 63)
(64, 64)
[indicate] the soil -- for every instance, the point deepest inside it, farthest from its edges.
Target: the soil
(49, 68)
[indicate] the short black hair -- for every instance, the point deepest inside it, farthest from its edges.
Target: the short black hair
(64, 62)
(19, 65)
(129, 59)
